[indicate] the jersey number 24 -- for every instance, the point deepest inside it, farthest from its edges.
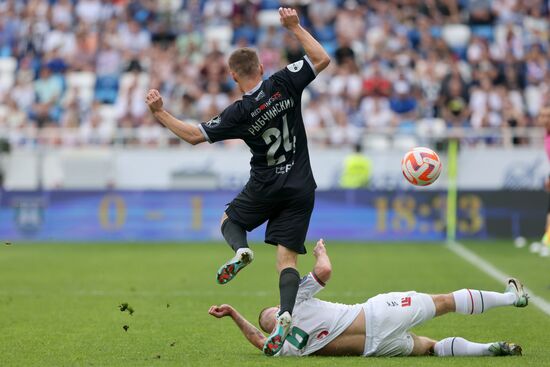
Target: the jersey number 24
(272, 138)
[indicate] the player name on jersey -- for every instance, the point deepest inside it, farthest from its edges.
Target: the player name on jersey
(270, 114)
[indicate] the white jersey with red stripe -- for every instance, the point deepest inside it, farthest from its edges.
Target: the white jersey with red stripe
(316, 323)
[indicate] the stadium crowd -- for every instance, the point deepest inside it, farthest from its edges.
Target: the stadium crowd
(85, 65)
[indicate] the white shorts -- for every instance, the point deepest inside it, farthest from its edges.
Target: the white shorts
(389, 317)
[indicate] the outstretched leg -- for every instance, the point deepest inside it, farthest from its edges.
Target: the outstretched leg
(235, 235)
(468, 302)
(460, 347)
(289, 281)
(473, 301)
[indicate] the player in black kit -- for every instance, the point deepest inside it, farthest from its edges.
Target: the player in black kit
(281, 186)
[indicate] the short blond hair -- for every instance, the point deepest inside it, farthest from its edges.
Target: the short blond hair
(244, 62)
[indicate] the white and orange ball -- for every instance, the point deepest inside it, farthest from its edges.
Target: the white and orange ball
(421, 166)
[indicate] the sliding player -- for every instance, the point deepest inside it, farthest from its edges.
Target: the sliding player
(281, 189)
(380, 326)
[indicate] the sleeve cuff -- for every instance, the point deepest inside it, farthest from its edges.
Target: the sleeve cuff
(311, 65)
(201, 128)
(317, 279)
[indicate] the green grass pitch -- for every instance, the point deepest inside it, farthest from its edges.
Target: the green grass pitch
(59, 303)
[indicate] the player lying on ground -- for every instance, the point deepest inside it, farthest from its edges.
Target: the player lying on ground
(380, 326)
(281, 189)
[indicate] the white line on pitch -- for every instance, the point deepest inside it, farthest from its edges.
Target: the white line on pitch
(495, 273)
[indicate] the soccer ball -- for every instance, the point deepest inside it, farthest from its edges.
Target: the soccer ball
(421, 166)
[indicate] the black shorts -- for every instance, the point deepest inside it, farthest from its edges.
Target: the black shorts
(287, 218)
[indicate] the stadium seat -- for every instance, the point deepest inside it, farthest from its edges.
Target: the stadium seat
(268, 18)
(483, 31)
(8, 65)
(106, 88)
(270, 4)
(456, 35)
(82, 83)
(435, 31)
(533, 99)
(108, 114)
(220, 35)
(127, 79)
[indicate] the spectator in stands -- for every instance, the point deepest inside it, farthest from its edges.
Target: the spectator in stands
(403, 103)
(480, 12)
(393, 63)
(133, 39)
(109, 60)
(378, 114)
(23, 92)
(48, 89)
(150, 132)
(95, 131)
(454, 104)
(376, 84)
(11, 117)
(84, 56)
(212, 102)
(344, 51)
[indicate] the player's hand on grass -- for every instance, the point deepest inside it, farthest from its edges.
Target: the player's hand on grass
(320, 248)
(154, 100)
(220, 311)
(289, 18)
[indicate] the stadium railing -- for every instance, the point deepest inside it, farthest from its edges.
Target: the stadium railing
(423, 133)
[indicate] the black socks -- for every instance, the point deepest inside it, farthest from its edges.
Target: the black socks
(289, 281)
(234, 234)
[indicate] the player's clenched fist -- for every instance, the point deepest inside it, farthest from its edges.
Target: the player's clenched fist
(289, 18)
(154, 100)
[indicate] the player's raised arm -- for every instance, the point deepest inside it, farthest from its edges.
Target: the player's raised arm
(190, 133)
(315, 52)
(252, 334)
(323, 267)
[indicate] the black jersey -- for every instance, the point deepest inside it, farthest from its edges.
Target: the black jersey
(269, 120)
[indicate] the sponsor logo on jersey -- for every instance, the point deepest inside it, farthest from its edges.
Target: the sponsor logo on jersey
(295, 67)
(406, 301)
(215, 121)
(275, 97)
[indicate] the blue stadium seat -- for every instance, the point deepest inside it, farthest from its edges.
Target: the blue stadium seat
(483, 31)
(270, 4)
(106, 88)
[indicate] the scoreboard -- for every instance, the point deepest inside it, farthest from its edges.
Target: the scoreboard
(350, 215)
